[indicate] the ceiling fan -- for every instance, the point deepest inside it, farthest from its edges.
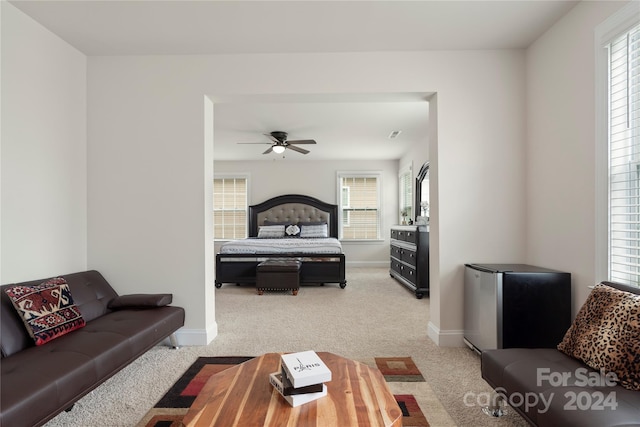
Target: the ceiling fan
(279, 143)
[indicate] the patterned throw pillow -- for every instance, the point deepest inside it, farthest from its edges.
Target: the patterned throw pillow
(292, 230)
(271, 231)
(606, 334)
(47, 309)
(319, 230)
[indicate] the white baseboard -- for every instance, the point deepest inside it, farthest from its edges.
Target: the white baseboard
(451, 338)
(197, 336)
(383, 264)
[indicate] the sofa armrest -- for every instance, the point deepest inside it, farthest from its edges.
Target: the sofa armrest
(140, 300)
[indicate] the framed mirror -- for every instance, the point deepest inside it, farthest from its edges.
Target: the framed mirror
(422, 194)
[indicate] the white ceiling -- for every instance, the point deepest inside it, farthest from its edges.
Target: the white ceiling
(349, 128)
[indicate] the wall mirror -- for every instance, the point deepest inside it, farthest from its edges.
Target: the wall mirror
(422, 194)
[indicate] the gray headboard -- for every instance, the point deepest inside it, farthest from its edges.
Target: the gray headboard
(293, 208)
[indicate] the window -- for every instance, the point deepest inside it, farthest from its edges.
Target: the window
(230, 207)
(623, 164)
(359, 205)
(405, 180)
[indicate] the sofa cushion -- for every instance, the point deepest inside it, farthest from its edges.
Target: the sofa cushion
(47, 309)
(606, 334)
(556, 388)
(140, 300)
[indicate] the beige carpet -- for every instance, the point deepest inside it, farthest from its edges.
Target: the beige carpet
(372, 316)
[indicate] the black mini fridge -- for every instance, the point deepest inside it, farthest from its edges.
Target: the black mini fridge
(515, 305)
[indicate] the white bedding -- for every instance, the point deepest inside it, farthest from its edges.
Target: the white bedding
(253, 245)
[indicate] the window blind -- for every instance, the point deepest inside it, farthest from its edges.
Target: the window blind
(359, 207)
(230, 208)
(624, 157)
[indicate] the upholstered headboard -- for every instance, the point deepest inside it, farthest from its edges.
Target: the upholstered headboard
(293, 208)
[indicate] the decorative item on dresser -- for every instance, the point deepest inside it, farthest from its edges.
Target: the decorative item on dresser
(410, 257)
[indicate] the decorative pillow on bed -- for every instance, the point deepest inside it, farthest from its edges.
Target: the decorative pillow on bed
(301, 223)
(47, 309)
(271, 231)
(292, 230)
(606, 334)
(285, 223)
(319, 230)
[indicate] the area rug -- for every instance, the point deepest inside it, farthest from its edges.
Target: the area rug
(172, 407)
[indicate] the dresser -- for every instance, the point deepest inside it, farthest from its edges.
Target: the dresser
(410, 257)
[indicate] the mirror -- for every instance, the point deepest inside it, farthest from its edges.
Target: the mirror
(422, 195)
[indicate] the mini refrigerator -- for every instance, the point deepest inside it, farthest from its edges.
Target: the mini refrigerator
(515, 305)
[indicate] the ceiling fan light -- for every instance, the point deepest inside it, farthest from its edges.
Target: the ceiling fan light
(279, 149)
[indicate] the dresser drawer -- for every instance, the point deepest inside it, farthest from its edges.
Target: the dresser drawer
(411, 236)
(396, 266)
(408, 256)
(396, 252)
(394, 234)
(409, 274)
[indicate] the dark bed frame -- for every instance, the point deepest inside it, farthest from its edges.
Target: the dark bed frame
(316, 268)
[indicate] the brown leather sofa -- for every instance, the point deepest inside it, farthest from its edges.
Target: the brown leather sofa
(38, 382)
(585, 398)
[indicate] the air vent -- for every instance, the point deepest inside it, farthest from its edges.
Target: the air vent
(394, 134)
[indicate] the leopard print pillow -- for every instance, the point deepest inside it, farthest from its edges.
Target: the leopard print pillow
(606, 334)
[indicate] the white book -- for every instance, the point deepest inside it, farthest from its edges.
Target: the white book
(295, 399)
(305, 368)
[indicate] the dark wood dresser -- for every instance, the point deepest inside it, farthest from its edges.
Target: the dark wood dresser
(410, 257)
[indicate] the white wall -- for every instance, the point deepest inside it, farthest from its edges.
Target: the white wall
(44, 178)
(146, 177)
(417, 155)
(318, 179)
(561, 146)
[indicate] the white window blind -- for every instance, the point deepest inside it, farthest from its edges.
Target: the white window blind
(624, 157)
(406, 192)
(230, 208)
(359, 207)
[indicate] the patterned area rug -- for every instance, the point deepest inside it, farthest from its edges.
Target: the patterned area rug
(172, 407)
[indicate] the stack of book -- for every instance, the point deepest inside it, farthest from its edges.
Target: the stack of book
(301, 378)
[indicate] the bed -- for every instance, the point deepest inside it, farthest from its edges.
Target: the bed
(322, 258)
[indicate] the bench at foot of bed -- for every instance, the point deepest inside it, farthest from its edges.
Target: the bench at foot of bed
(278, 274)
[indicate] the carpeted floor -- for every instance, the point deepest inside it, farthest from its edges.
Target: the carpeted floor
(170, 409)
(372, 316)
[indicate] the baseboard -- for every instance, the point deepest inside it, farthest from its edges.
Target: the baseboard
(383, 264)
(451, 338)
(197, 336)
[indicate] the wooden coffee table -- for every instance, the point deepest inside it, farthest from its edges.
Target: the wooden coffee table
(357, 395)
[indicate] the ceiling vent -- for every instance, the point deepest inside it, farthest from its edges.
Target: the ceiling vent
(394, 134)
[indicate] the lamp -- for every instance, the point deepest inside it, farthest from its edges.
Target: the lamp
(278, 149)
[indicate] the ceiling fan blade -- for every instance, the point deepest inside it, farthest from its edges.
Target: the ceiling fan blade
(298, 149)
(302, 141)
(271, 137)
(253, 143)
(270, 149)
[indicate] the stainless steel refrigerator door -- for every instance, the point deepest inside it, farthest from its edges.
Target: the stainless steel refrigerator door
(482, 291)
